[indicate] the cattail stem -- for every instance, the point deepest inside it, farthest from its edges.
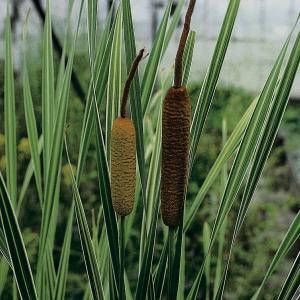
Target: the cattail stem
(183, 38)
(122, 256)
(171, 236)
(129, 80)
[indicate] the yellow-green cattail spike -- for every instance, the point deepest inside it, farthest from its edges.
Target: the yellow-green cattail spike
(123, 153)
(123, 164)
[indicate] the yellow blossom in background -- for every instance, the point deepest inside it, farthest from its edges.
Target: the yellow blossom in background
(66, 173)
(2, 158)
(2, 163)
(2, 140)
(24, 147)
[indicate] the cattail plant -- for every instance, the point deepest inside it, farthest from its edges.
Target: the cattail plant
(123, 167)
(175, 138)
(175, 149)
(123, 149)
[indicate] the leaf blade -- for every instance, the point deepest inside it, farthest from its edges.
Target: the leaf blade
(10, 116)
(15, 246)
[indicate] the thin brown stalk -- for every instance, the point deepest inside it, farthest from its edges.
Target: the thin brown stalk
(183, 38)
(129, 80)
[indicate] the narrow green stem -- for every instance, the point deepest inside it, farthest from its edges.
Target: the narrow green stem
(122, 255)
(142, 239)
(171, 235)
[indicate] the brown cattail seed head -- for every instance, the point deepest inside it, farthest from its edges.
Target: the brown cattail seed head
(123, 164)
(175, 151)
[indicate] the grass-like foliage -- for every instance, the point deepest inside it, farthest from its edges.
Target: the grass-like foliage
(111, 51)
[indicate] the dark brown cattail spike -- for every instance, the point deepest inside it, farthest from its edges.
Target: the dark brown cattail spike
(175, 148)
(183, 38)
(129, 80)
(176, 117)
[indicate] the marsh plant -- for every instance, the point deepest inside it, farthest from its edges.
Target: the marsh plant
(145, 153)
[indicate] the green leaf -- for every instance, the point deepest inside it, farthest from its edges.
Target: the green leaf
(105, 195)
(171, 293)
(4, 267)
(292, 281)
(53, 177)
(281, 100)
(97, 88)
(62, 273)
(91, 111)
(130, 219)
(181, 286)
(66, 47)
(277, 109)
(289, 240)
(114, 86)
(154, 59)
(252, 136)
(153, 182)
(28, 175)
(177, 260)
(188, 56)
(251, 139)
(32, 133)
(160, 273)
(153, 188)
(101, 71)
(10, 117)
(174, 23)
(127, 288)
(135, 94)
(101, 245)
(50, 112)
(221, 236)
(92, 10)
(47, 91)
(144, 275)
(261, 154)
(211, 78)
(50, 274)
(206, 238)
(3, 248)
(90, 258)
(15, 246)
(227, 151)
